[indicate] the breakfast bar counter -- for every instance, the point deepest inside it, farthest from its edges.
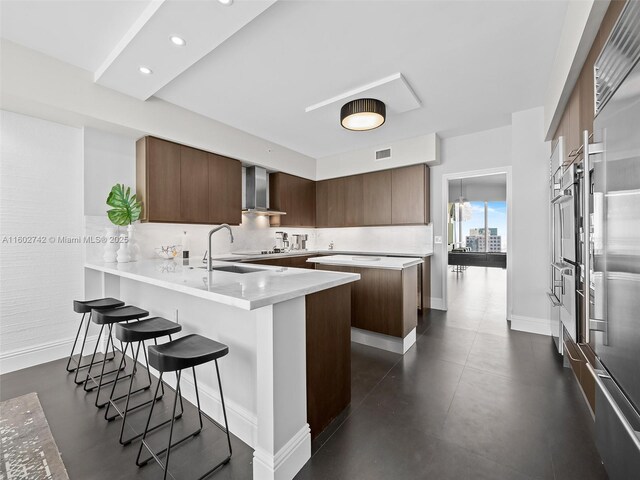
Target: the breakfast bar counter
(259, 311)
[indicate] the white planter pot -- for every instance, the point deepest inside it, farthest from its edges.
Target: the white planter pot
(134, 248)
(123, 255)
(111, 247)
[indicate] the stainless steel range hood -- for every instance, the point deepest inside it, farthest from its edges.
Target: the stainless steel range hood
(256, 192)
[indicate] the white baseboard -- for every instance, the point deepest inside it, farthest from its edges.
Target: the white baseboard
(437, 304)
(521, 323)
(287, 461)
(242, 423)
(384, 342)
(43, 353)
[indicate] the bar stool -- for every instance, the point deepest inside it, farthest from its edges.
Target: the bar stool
(84, 307)
(106, 318)
(175, 356)
(139, 332)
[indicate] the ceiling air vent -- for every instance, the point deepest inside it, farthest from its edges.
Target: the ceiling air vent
(383, 154)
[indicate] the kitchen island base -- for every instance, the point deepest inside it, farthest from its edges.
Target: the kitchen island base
(382, 341)
(265, 372)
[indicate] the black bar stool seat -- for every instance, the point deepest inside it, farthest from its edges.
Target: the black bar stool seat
(146, 329)
(188, 351)
(177, 355)
(84, 307)
(118, 314)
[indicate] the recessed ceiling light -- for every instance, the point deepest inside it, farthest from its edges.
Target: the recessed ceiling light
(226, 2)
(362, 114)
(176, 40)
(145, 70)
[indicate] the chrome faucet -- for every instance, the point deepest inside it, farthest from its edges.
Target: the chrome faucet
(211, 232)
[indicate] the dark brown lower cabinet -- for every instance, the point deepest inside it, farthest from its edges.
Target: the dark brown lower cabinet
(328, 326)
(383, 301)
(578, 356)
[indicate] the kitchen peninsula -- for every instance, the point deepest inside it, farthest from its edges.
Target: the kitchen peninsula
(261, 313)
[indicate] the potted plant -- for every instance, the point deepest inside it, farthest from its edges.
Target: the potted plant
(125, 209)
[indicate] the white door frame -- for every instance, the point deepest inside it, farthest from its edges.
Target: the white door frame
(445, 218)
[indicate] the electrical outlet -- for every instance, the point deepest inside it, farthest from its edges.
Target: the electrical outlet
(437, 240)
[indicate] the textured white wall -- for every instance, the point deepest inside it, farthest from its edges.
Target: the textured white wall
(41, 176)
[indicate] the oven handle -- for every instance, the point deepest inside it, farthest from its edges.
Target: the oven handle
(562, 197)
(599, 375)
(553, 299)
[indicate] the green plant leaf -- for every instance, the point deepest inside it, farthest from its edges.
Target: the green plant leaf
(126, 208)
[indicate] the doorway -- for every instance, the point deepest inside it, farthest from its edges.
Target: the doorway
(476, 241)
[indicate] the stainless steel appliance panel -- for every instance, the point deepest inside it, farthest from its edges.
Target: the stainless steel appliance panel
(618, 344)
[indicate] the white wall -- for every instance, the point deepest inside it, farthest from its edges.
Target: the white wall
(530, 222)
(108, 159)
(466, 153)
(422, 149)
(41, 176)
(409, 239)
(474, 190)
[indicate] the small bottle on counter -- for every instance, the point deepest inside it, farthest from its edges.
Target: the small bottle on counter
(185, 245)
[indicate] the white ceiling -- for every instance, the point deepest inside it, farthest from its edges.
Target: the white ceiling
(81, 33)
(470, 63)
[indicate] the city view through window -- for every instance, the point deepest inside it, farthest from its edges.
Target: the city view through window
(474, 228)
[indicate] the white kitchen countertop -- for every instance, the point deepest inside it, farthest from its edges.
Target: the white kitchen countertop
(247, 291)
(297, 253)
(368, 261)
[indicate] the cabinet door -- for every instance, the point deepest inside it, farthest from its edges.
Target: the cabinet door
(163, 180)
(194, 185)
(376, 194)
(322, 203)
(294, 195)
(409, 191)
(354, 213)
(336, 202)
(225, 190)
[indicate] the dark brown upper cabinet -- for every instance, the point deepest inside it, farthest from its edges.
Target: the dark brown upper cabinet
(294, 195)
(158, 179)
(225, 190)
(322, 203)
(376, 190)
(179, 184)
(410, 195)
(336, 205)
(194, 185)
(354, 201)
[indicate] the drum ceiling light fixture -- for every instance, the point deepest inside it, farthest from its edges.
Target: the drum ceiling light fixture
(362, 114)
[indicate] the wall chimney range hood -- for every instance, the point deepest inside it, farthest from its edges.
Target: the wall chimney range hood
(256, 192)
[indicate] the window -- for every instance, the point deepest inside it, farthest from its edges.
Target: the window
(479, 226)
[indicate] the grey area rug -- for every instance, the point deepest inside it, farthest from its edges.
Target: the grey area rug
(28, 451)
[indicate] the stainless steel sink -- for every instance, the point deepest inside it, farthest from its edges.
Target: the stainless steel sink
(236, 269)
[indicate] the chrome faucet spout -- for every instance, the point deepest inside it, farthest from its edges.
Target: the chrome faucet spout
(211, 232)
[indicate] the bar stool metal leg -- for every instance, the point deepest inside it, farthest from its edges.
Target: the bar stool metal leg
(156, 455)
(80, 355)
(103, 361)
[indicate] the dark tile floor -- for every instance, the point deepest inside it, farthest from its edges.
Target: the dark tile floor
(471, 400)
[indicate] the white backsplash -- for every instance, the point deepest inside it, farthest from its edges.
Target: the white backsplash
(409, 239)
(256, 234)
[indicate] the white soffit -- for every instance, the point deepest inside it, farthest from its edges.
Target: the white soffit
(394, 91)
(204, 25)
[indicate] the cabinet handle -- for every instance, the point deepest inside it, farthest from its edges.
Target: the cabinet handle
(569, 353)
